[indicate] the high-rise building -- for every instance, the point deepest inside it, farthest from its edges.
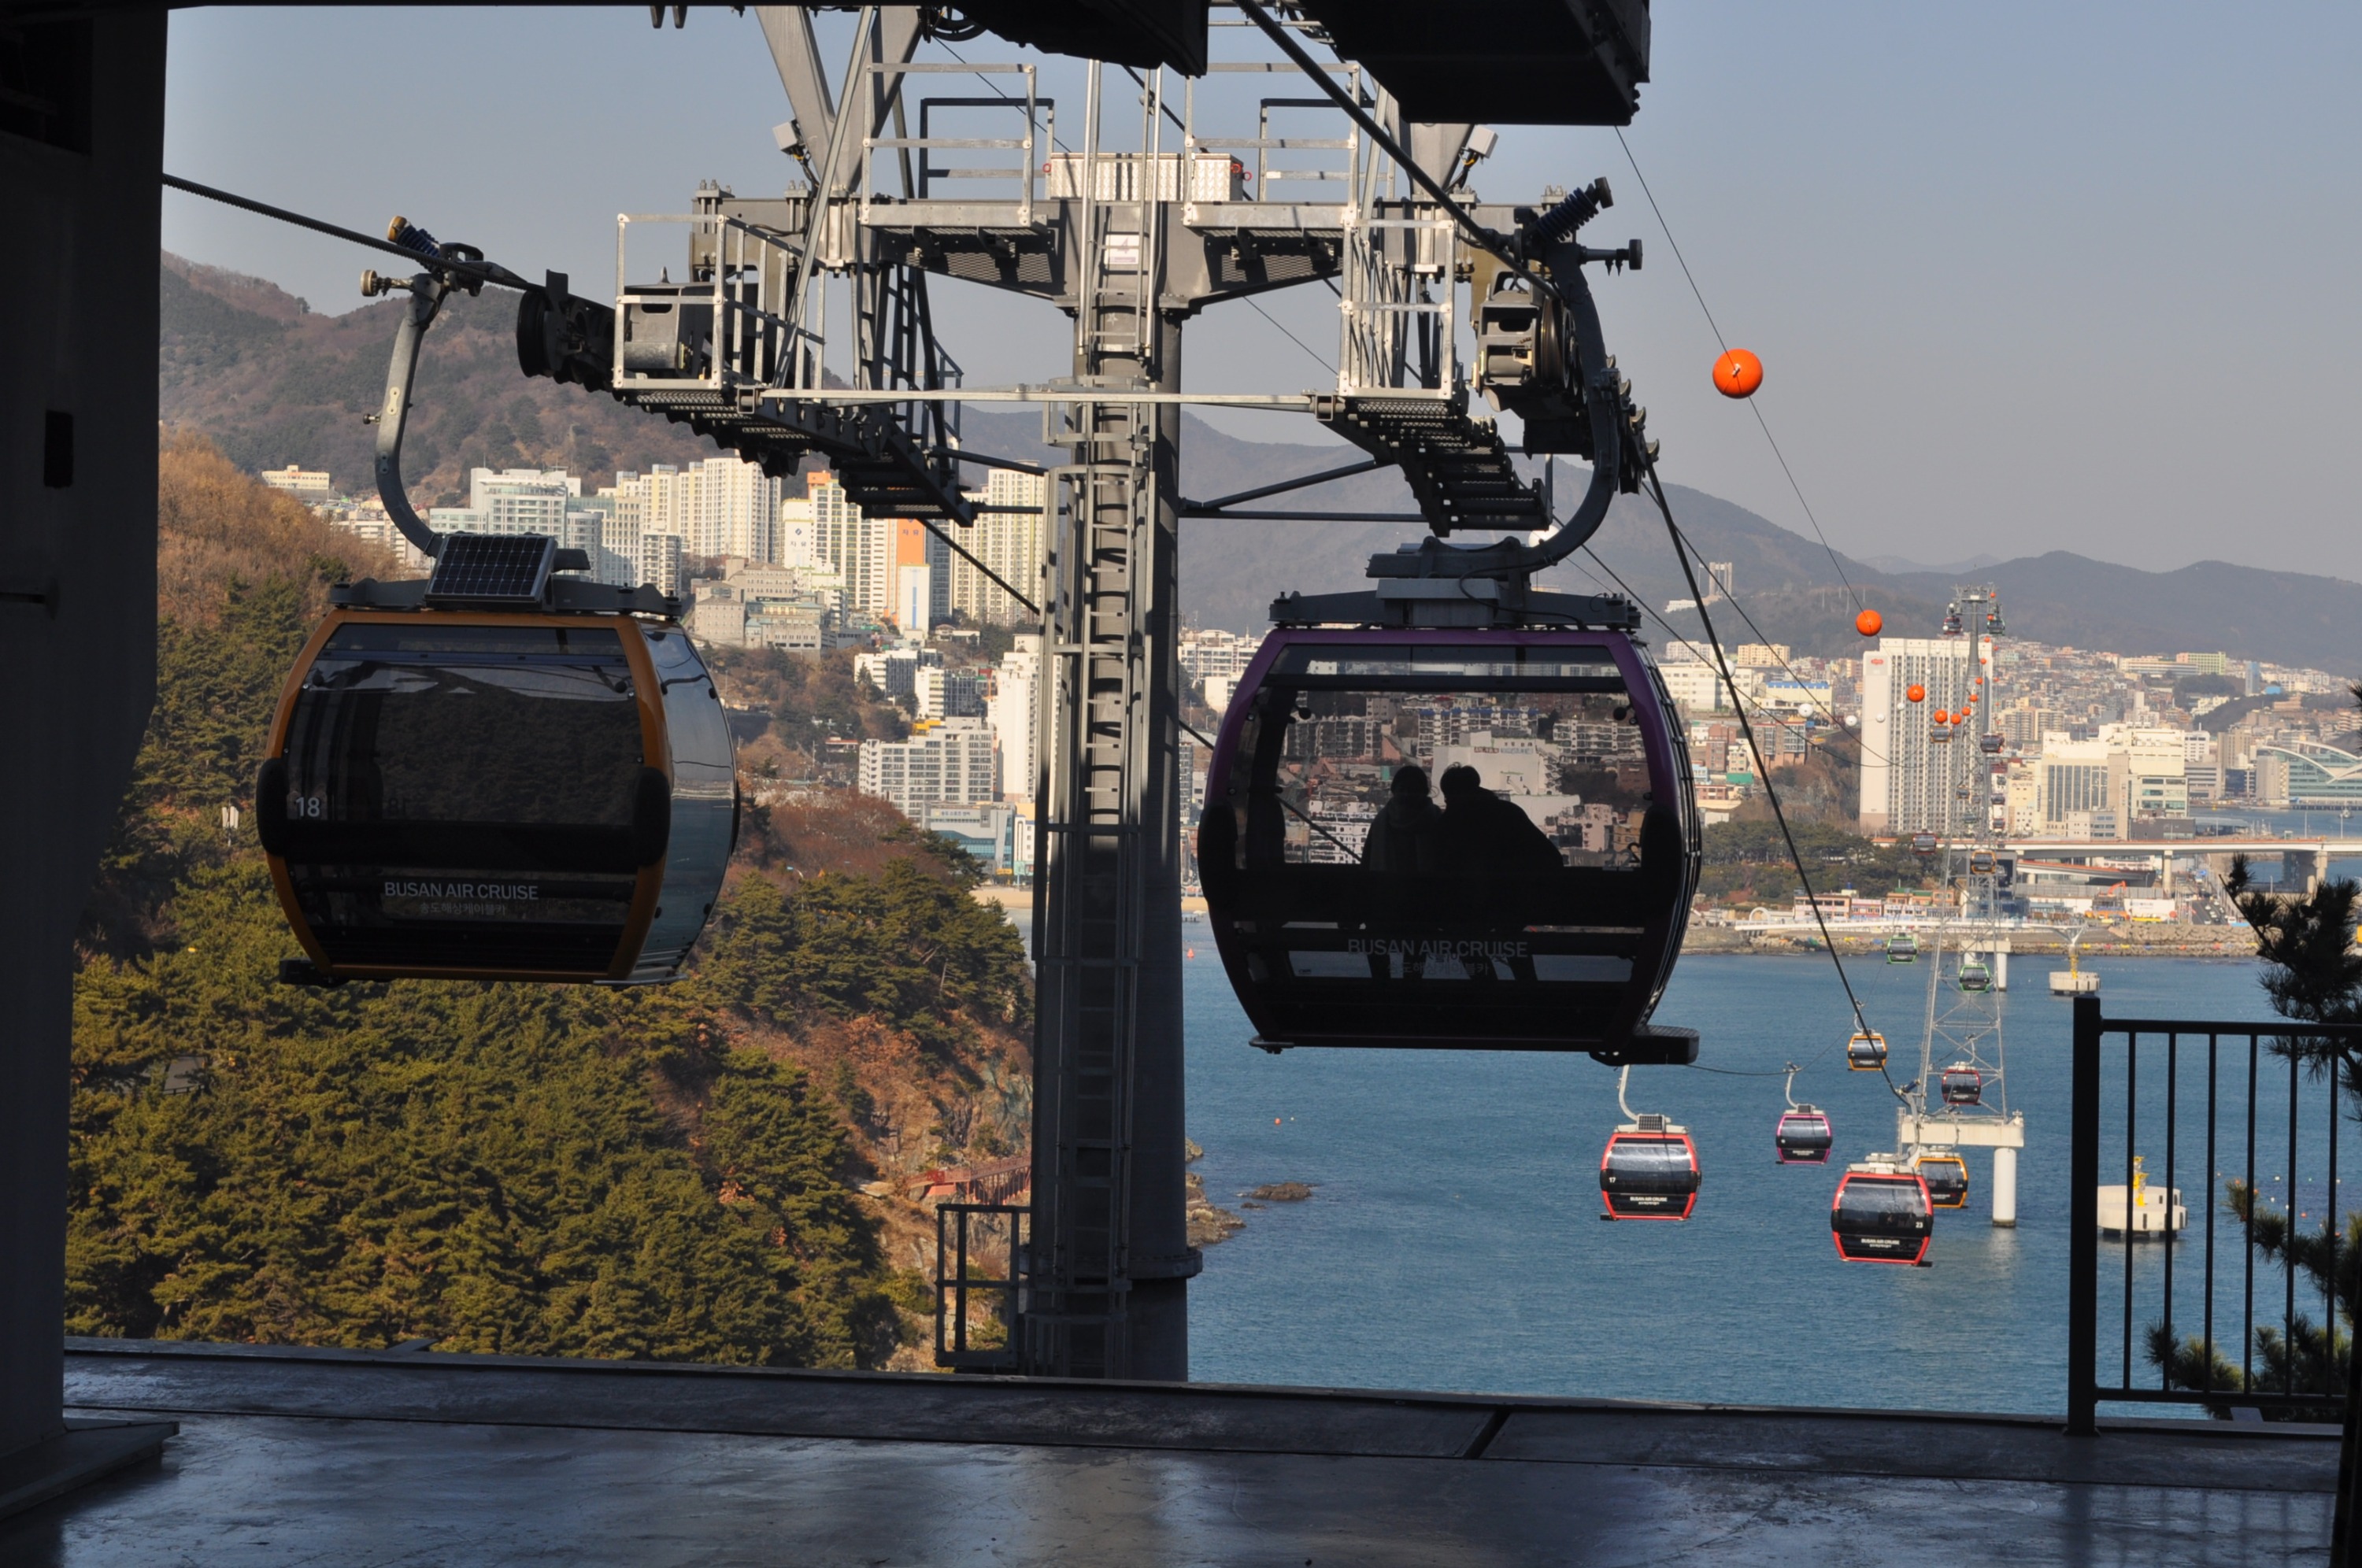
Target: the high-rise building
(622, 518)
(948, 762)
(922, 577)
(798, 546)
(861, 548)
(1010, 713)
(659, 562)
(941, 693)
(1907, 777)
(1010, 542)
(733, 510)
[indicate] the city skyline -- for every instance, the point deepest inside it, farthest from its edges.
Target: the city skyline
(1904, 306)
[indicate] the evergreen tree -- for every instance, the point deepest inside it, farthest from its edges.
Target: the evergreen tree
(525, 1169)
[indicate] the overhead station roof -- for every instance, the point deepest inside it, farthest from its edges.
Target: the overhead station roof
(1131, 32)
(1526, 62)
(1542, 63)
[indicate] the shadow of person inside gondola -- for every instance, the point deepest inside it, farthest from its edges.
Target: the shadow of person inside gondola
(1490, 838)
(1405, 841)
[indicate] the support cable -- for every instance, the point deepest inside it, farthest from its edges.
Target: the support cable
(1764, 771)
(1730, 596)
(1645, 608)
(482, 271)
(1852, 593)
(489, 273)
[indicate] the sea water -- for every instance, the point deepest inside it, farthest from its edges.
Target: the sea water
(1452, 1240)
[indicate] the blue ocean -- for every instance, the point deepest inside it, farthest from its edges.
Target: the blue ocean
(1453, 1238)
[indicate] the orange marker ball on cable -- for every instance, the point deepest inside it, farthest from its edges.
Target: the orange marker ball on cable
(1917, 694)
(1869, 623)
(1737, 373)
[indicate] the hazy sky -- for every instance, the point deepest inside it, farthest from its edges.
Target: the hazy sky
(2023, 277)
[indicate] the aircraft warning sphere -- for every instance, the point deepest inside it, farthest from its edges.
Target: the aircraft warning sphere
(1737, 373)
(1869, 623)
(1917, 694)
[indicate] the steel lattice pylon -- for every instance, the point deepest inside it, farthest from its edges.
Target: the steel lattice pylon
(1963, 1041)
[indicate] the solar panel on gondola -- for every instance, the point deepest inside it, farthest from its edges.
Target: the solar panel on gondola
(509, 570)
(497, 795)
(1881, 1213)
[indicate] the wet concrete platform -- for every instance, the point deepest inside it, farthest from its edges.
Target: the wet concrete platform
(384, 1458)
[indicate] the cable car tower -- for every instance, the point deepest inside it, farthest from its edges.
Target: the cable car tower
(1960, 1099)
(801, 326)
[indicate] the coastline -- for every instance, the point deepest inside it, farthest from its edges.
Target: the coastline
(2134, 941)
(2224, 942)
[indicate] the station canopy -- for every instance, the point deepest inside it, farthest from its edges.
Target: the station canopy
(1545, 63)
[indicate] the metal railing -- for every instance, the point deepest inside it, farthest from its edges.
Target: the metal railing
(2210, 1294)
(1040, 132)
(958, 1246)
(1338, 158)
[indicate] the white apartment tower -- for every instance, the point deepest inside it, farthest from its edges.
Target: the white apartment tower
(1009, 712)
(1010, 542)
(1907, 777)
(860, 549)
(733, 510)
(948, 764)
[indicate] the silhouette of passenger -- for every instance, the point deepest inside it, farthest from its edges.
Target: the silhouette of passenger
(1406, 840)
(1407, 835)
(1486, 836)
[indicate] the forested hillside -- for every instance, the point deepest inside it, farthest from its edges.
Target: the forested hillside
(668, 1173)
(272, 382)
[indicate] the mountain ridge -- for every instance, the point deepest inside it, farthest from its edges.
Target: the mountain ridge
(272, 382)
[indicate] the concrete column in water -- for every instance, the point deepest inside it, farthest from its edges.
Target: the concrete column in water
(2004, 1188)
(2000, 969)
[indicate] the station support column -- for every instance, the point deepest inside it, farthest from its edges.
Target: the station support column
(2004, 1188)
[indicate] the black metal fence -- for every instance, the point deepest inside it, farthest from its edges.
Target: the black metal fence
(2218, 1276)
(966, 1233)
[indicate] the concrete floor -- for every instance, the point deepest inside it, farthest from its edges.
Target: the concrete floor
(384, 1459)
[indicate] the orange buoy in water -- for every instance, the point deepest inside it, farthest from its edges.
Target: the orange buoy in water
(1274, 1121)
(1917, 694)
(1869, 623)
(1737, 373)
